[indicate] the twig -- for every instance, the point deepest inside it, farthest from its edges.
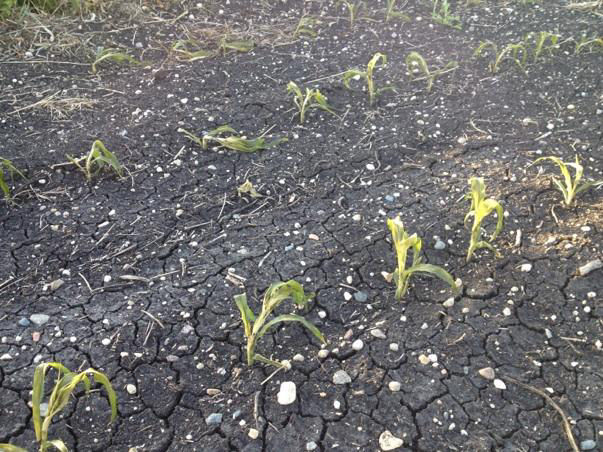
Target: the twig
(566, 425)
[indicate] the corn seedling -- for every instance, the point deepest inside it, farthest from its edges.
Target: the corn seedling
(7, 167)
(571, 186)
(113, 55)
(188, 50)
(353, 10)
(256, 327)
(304, 27)
(481, 207)
(517, 53)
(367, 75)
(586, 43)
(304, 102)
(416, 63)
(233, 141)
(541, 44)
(235, 46)
(391, 13)
(402, 244)
(247, 188)
(96, 160)
(442, 15)
(66, 383)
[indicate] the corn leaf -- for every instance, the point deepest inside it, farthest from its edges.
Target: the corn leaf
(434, 270)
(11, 448)
(292, 318)
(238, 46)
(247, 314)
(113, 55)
(57, 444)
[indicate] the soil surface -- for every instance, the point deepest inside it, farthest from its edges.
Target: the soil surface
(136, 275)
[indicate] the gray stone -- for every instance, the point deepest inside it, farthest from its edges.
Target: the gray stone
(287, 393)
(214, 419)
(24, 322)
(387, 441)
(588, 444)
(389, 199)
(439, 245)
(311, 445)
(39, 319)
(341, 377)
(360, 296)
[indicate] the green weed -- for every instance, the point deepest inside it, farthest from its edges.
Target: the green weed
(518, 53)
(416, 63)
(65, 385)
(571, 186)
(96, 160)
(256, 327)
(312, 99)
(402, 244)
(114, 55)
(481, 207)
(586, 43)
(442, 15)
(233, 141)
(247, 188)
(7, 167)
(367, 75)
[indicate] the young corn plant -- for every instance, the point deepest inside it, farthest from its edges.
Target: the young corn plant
(541, 44)
(518, 53)
(305, 26)
(312, 99)
(113, 55)
(7, 167)
(586, 43)
(416, 63)
(481, 207)
(442, 15)
(65, 384)
(571, 186)
(242, 46)
(367, 75)
(256, 326)
(188, 50)
(403, 243)
(96, 160)
(353, 10)
(233, 141)
(392, 14)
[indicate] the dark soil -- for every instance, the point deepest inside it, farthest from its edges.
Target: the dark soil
(150, 263)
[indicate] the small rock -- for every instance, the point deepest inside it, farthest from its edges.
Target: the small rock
(341, 377)
(213, 392)
(357, 345)
(394, 347)
(39, 319)
(347, 296)
(299, 358)
(253, 433)
(590, 267)
(360, 296)
(499, 384)
(322, 354)
(131, 389)
(172, 358)
(107, 279)
(370, 167)
(54, 285)
(526, 268)
(236, 414)
(424, 359)
(394, 386)
(106, 341)
(311, 445)
(449, 303)
(337, 404)
(439, 245)
(35, 336)
(588, 444)
(487, 373)
(433, 357)
(387, 441)
(378, 334)
(507, 312)
(287, 393)
(24, 322)
(214, 419)
(389, 199)
(313, 237)
(6, 357)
